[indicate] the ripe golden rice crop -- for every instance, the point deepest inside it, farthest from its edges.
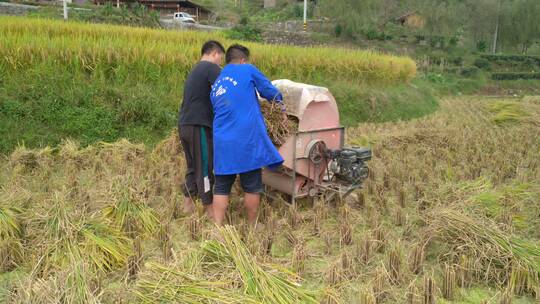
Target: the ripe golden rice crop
(101, 50)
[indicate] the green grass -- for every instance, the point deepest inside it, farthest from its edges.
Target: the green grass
(44, 105)
(380, 104)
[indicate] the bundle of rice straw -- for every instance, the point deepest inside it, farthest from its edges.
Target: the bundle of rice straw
(160, 284)
(264, 284)
(278, 129)
(500, 255)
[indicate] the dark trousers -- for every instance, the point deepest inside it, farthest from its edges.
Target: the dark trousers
(198, 148)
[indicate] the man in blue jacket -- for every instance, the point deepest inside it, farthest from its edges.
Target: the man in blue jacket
(241, 143)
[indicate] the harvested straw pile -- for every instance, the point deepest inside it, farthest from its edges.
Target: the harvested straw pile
(500, 258)
(11, 248)
(507, 112)
(161, 284)
(223, 266)
(267, 285)
(278, 129)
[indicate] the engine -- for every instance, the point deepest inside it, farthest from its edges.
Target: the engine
(349, 164)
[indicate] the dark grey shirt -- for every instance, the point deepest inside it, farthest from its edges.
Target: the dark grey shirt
(196, 108)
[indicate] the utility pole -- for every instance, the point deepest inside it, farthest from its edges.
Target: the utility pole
(65, 10)
(496, 35)
(305, 15)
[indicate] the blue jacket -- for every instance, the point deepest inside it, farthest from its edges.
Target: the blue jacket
(241, 142)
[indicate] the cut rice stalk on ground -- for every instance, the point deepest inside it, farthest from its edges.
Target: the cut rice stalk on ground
(265, 284)
(500, 255)
(11, 249)
(160, 284)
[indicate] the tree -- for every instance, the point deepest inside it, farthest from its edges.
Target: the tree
(519, 23)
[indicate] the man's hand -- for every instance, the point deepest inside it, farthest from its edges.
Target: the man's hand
(283, 111)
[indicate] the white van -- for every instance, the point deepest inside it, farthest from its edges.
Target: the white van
(183, 17)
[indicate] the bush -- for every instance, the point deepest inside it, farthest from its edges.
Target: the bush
(531, 60)
(372, 35)
(470, 71)
(245, 32)
(514, 76)
(338, 30)
(387, 36)
(435, 78)
(244, 20)
(350, 33)
(298, 11)
(481, 46)
(453, 70)
(375, 35)
(458, 60)
(453, 41)
(482, 63)
(436, 41)
(438, 57)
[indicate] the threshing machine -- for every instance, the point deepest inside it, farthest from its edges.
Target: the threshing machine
(316, 161)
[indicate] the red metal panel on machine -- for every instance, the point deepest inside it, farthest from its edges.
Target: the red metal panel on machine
(318, 123)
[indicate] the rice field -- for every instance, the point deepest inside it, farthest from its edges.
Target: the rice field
(102, 50)
(96, 83)
(450, 213)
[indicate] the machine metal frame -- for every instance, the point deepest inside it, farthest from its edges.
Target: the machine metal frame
(328, 188)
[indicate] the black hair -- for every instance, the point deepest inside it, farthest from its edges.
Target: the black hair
(210, 46)
(236, 52)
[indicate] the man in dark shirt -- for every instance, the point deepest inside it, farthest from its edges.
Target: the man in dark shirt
(195, 127)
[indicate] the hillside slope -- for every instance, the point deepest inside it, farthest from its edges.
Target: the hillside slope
(102, 82)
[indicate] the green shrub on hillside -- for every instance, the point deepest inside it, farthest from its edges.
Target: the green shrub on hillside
(338, 30)
(437, 41)
(527, 59)
(456, 60)
(470, 71)
(482, 63)
(245, 32)
(481, 46)
(377, 35)
(514, 76)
